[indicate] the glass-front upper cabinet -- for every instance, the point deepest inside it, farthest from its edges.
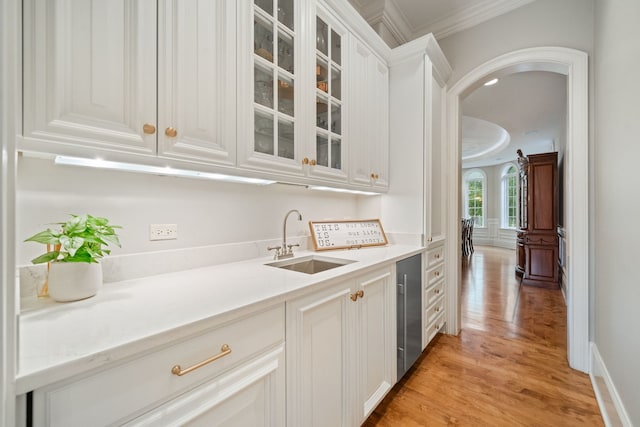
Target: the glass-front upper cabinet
(273, 67)
(329, 154)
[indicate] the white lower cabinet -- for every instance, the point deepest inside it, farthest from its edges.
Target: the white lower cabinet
(341, 351)
(433, 318)
(243, 385)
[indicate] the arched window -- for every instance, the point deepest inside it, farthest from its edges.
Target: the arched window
(509, 199)
(475, 194)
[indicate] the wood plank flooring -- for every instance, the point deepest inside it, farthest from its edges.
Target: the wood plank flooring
(508, 366)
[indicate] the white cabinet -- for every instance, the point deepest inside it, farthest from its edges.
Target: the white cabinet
(435, 155)
(328, 152)
(341, 351)
(376, 355)
(90, 82)
(243, 381)
(251, 395)
(197, 81)
(90, 75)
(269, 106)
(368, 117)
(434, 307)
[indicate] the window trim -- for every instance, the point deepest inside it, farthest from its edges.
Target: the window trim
(465, 195)
(504, 204)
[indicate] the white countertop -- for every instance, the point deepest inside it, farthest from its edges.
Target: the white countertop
(135, 315)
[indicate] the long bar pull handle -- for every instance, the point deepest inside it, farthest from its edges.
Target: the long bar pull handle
(177, 370)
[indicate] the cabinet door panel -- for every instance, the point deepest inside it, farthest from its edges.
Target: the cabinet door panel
(250, 395)
(360, 132)
(435, 185)
(317, 353)
(376, 352)
(197, 80)
(89, 73)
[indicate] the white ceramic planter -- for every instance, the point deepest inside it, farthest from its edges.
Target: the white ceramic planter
(71, 281)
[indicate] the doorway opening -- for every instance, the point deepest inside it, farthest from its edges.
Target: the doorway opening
(573, 64)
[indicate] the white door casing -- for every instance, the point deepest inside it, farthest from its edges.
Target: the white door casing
(572, 63)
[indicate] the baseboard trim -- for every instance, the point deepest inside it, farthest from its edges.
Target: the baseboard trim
(611, 407)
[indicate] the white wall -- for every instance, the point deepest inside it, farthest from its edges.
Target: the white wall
(566, 23)
(617, 113)
(207, 212)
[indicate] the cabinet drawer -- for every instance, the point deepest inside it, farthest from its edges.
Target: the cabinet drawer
(128, 389)
(434, 275)
(435, 310)
(435, 256)
(433, 293)
(434, 327)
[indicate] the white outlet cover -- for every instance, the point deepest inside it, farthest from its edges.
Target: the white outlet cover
(163, 231)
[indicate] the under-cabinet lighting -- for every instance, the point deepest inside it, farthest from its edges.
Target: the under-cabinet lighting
(156, 170)
(491, 82)
(343, 190)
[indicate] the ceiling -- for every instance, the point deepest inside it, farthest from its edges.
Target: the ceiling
(530, 106)
(524, 110)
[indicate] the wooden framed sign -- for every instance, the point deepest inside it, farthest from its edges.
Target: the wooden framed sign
(354, 234)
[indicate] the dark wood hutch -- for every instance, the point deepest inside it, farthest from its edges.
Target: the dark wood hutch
(537, 238)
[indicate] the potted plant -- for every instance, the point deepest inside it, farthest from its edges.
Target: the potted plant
(75, 271)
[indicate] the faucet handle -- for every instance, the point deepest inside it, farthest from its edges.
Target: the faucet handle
(277, 249)
(290, 246)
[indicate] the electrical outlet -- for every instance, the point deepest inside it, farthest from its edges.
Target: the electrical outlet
(163, 231)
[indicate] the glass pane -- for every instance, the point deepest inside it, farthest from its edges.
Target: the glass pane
(285, 12)
(285, 140)
(336, 153)
(263, 39)
(285, 96)
(285, 52)
(321, 36)
(336, 119)
(322, 150)
(263, 87)
(336, 48)
(321, 113)
(336, 83)
(322, 75)
(266, 5)
(263, 134)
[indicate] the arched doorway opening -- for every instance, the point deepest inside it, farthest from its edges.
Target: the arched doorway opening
(573, 64)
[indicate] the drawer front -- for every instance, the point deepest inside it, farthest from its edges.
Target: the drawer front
(434, 275)
(435, 256)
(114, 395)
(434, 327)
(435, 310)
(433, 293)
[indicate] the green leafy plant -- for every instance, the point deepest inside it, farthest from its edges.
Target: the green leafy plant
(81, 239)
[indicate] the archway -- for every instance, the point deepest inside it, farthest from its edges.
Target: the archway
(573, 64)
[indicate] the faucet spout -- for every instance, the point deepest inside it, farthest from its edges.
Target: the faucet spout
(287, 252)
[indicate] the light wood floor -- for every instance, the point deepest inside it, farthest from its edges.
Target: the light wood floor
(508, 366)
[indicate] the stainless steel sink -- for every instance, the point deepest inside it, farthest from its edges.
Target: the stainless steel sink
(310, 264)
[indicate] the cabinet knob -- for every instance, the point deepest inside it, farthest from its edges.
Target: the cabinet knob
(437, 273)
(305, 161)
(149, 129)
(374, 176)
(171, 132)
(359, 294)
(313, 162)
(437, 292)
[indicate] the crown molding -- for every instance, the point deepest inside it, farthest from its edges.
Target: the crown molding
(468, 17)
(425, 45)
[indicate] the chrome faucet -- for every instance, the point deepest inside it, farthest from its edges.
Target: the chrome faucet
(285, 251)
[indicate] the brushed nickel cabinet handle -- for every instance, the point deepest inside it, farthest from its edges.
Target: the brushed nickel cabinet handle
(177, 370)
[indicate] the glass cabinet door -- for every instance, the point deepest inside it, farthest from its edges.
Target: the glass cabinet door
(274, 78)
(328, 76)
